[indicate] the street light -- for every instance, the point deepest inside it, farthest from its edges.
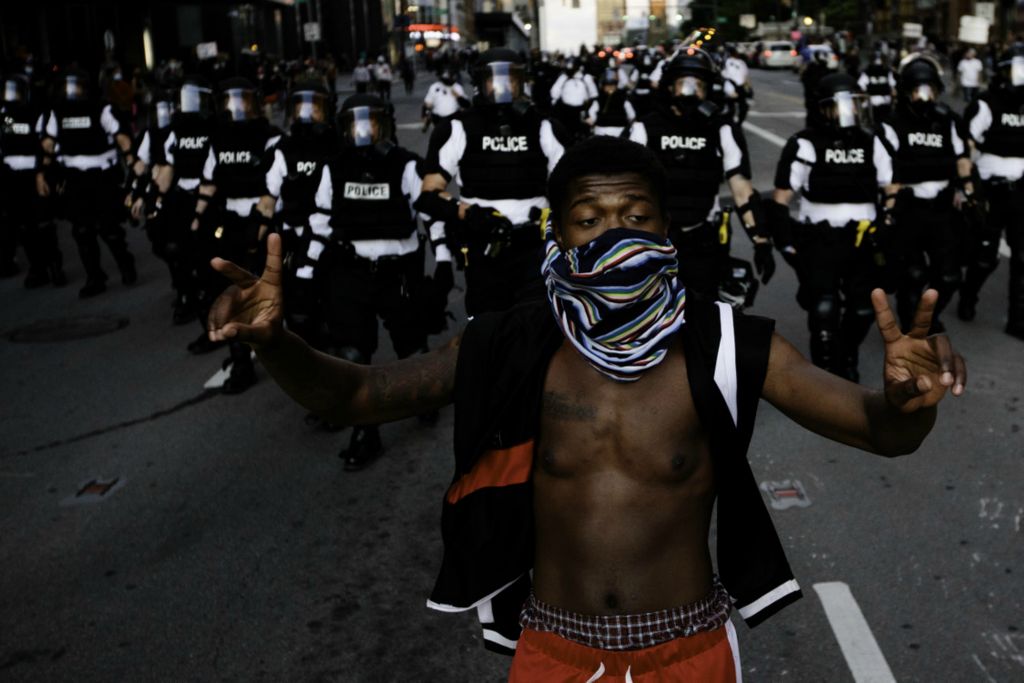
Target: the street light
(808, 21)
(528, 26)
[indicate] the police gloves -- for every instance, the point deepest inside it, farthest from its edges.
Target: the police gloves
(764, 261)
(485, 225)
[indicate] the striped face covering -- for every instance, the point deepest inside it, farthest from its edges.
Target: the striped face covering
(617, 299)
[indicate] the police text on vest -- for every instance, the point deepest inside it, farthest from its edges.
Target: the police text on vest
(681, 142)
(925, 139)
(505, 143)
(370, 191)
(844, 156)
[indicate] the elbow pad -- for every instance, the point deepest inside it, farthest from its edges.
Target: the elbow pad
(437, 207)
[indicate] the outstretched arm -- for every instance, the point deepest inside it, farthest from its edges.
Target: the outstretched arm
(918, 371)
(343, 393)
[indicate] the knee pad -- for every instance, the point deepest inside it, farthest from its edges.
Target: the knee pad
(915, 274)
(351, 354)
(949, 281)
(824, 312)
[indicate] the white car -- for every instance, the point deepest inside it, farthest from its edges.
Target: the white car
(779, 54)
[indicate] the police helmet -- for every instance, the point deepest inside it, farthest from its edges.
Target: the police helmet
(307, 101)
(1010, 66)
(919, 79)
(16, 89)
(75, 85)
(842, 102)
(365, 121)
(237, 97)
(499, 75)
(162, 109)
(195, 96)
(447, 77)
(689, 76)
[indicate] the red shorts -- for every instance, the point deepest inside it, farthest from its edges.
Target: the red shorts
(706, 657)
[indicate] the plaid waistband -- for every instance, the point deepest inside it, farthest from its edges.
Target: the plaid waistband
(630, 631)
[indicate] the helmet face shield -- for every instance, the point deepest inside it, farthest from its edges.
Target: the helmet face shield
(500, 82)
(238, 103)
(689, 86)
(194, 99)
(847, 110)
(14, 91)
(363, 126)
(922, 93)
(162, 113)
(308, 106)
(75, 88)
(1017, 71)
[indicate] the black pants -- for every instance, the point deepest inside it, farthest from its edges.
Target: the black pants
(703, 254)
(924, 252)
(303, 297)
(497, 284)
(22, 221)
(836, 278)
(93, 201)
(572, 119)
(170, 233)
(1005, 216)
(359, 290)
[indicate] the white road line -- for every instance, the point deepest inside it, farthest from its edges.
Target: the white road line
(409, 126)
(1004, 248)
(765, 134)
(777, 114)
(863, 656)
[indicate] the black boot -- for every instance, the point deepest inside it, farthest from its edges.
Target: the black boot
(243, 373)
(967, 307)
(95, 284)
(363, 448)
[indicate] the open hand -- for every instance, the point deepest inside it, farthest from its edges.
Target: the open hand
(250, 310)
(919, 369)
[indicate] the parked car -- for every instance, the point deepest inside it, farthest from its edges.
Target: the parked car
(779, 54)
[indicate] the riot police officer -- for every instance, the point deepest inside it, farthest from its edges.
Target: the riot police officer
(929, 162)
(235, 175)
(292, 180)
(816, 68)
(612, 111)
(571, 94)
(832, 245)
(86, 138)
(879, 82)
(699, 148)
(142, 182)
(367, 240)
(443, 100)
(185, 151)
(21, 124)
(642, 95)
(499, 152)
(996, 126)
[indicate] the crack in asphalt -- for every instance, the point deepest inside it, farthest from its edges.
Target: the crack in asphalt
(187, 403)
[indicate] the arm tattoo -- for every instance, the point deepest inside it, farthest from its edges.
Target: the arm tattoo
(562, 407)
(414, 385)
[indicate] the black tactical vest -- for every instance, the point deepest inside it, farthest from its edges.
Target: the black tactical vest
(305, 154)
(611, 109)
(79, 131)
(690, 149)
(1005, 137)
(844, 169)
(503, 158)
(18, 130)
(240, 149)
(193, 134)
(926, 150)
(878, 80)
(368, 202)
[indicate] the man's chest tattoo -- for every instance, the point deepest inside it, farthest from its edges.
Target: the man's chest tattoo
(562, 407)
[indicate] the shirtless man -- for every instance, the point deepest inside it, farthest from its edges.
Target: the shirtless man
(643, 422)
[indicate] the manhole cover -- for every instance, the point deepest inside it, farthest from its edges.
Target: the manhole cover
(66, 329)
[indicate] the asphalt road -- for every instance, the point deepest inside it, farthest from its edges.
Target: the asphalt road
(233, 547)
